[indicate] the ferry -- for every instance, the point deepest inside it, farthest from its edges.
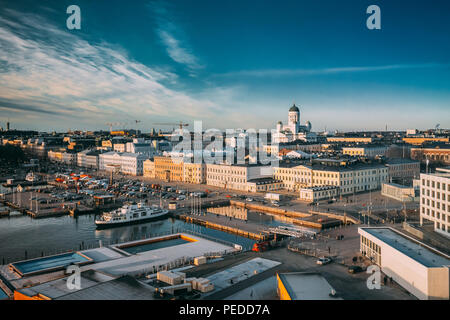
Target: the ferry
(130, 214)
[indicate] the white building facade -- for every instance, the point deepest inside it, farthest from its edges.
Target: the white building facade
(129, 163)
(420, 269)
(434, 200)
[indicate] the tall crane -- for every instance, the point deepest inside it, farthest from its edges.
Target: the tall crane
(111, 124)
(180, 124)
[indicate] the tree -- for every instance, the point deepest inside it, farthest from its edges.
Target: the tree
(11, 154)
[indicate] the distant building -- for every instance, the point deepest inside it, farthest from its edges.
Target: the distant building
(293, 130)
(351, 178)
(351, 139)
(434, 200)
(403, 170)
(149, 168)
(88, 159)
(399, 192)
(167, 169)
(129, 163)
(235, 177)
(422, 140)
(313, 194)
(290, 146)
(194, 173)
(437, 155)
(369, 151)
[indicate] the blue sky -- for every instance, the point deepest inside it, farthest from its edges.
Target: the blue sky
(228, 63)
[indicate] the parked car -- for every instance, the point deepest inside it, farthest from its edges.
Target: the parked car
(249, 199)
(323, 261)
(354, 269)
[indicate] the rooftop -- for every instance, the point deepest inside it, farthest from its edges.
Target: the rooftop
(123, 288)
(400, 160)
(307, 286)
(409, 247)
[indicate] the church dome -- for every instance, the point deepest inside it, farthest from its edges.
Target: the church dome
(294, 108)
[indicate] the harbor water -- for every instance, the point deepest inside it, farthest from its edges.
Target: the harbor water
(23, 237)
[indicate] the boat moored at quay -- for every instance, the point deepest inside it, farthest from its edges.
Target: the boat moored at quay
(130, 214)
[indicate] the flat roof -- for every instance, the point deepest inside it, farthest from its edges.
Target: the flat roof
(307, 286)
(56, 288)
(136, 263)
(400, 161)
(123, 288)
(413, 249)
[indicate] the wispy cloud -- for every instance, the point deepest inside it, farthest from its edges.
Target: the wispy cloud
(53, 71)
(173, 37)
(326, 71)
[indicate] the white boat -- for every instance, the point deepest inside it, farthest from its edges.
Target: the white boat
(130, 214)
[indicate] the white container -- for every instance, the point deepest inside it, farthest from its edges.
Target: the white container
(199, 260)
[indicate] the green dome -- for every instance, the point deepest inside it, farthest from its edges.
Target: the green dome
(294, 108)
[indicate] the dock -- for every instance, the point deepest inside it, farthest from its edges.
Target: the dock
(240, 228)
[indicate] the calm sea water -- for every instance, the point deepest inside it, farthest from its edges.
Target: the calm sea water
(54, 235)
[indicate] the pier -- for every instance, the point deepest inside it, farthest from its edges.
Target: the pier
(240, 228)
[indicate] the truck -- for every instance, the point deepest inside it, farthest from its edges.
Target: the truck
(273, 196)
(262, 246)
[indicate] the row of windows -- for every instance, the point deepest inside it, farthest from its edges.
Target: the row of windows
(435, 204)
(371, 250)
(437, 215)
(434, 194)
(435, 184)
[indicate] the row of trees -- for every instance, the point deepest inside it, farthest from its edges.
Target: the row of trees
(10, 154)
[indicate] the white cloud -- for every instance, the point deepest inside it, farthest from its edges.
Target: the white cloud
(173, 38)
(55, 72)
(325, 71)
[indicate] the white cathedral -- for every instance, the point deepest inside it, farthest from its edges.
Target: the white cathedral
(293, 130)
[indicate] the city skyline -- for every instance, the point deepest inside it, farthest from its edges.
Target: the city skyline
(229, 64)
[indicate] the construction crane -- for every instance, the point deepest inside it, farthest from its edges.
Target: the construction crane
(180, 124)
(111, 124)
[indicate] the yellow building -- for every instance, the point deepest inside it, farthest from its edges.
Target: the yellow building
(167, 169)
(55, 156)
(422, 140)
(365, 151)
(149, 169)
(194, 173)
(350, 139)
(107, 144)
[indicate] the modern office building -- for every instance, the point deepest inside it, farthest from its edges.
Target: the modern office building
(418, 268)
(434, 200)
